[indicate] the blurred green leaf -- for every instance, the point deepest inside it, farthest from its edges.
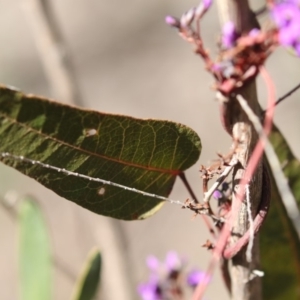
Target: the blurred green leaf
(290, 164)
(142, 154)
(89, 280)
(280, 245)
(34, 253)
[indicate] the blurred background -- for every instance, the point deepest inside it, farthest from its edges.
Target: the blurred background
(127, 61)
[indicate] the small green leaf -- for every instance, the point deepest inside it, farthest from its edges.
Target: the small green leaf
(34, 253)
(143, 154)
(87, 283)
(280, 245)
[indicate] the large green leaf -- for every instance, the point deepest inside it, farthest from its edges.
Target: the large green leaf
(89, 279)
(280, 245)
(34, 253)
(141, 154)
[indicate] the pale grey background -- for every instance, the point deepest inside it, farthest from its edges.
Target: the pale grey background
(127, 62)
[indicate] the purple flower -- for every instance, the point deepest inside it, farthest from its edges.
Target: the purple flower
(254, 32)
(195, 277)
(165, 280)
(297, 48)
(172, 21)
(286, 16)
(150, 290)
(207, 3)
(229, 35)
(152, 263)
(217, 194)
(173, 262)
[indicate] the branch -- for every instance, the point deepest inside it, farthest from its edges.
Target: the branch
(188, 187)
(193, 196)
(281, 182)
(289, 93)
(54, 55)
(249, 172)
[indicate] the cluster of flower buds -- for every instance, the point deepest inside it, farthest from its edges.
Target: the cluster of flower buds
(168, 280)
(242, 55)
(187, 18)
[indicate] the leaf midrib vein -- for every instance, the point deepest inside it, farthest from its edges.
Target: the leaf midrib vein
(149, 168)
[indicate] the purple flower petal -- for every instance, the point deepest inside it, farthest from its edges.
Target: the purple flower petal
(172, 21)
(150, 290)
(286, 16)
(297, 48)
(295, 2)
(254, 32)
(217, 194)
(202, 8)
(285, 13)
(229, 35)
(173, 261)
(152, 263)
(195, 277)
(207, 3)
